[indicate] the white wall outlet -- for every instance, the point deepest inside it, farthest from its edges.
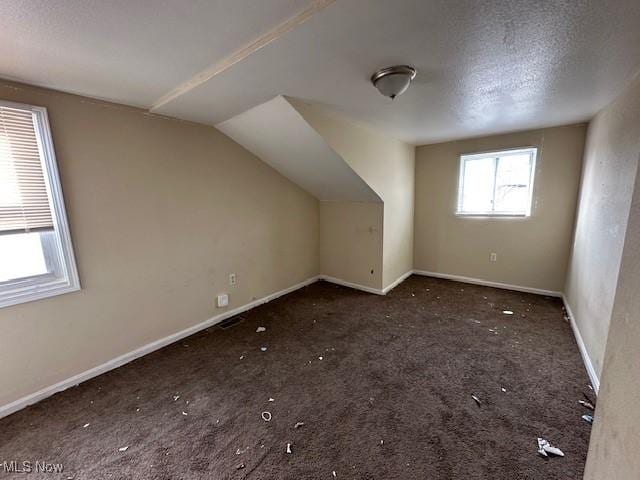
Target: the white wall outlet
(232, 279)
(493, 257)
(223, 300)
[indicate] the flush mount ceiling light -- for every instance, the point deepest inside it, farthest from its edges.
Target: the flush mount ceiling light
(393, 81)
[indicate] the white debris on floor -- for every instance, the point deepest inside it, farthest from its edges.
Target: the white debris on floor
(185, 413)
(288, 448)
(476, 399)
(587, 418)
(260, 329)
(507, 312)
(545, 448)
(263, 349)
(298, 425)
(588, 405)
(86, 425)
(176, 397)
(123, 449)
(266, 416)
(272, 399)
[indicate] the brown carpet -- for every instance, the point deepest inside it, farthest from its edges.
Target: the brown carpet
(382, 384)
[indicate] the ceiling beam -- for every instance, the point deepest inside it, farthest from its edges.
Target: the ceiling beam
(242, 53)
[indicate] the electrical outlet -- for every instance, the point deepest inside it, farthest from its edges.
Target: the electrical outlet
(223, 300)
(494, 257)
(232, 279)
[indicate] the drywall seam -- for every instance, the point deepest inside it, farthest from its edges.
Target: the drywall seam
(487, 283)
(140, 352)
(593, 376)
(242, 53)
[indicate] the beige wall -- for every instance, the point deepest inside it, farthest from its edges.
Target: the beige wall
(531, 252)
(161, 211)
(615, 438)
(350, 242)
(610, 162)
(388, 166)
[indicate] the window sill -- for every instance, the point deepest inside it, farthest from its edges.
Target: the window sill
(23, 292)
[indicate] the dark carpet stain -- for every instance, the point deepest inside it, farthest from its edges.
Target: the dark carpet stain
(390, 399)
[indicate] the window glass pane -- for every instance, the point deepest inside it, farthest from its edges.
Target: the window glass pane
(21, 255)
(477, 188)
(512, 184)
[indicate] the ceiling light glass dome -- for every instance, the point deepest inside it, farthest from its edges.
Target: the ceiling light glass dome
(393, 81)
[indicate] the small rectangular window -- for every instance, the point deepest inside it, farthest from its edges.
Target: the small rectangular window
(36, 256)
(497, 183)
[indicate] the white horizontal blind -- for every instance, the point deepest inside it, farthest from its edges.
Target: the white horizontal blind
(24, 203)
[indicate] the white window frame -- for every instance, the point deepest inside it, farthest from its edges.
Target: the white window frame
(531, 151)
(57, 245)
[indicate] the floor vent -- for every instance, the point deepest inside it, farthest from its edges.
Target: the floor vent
(230, 322)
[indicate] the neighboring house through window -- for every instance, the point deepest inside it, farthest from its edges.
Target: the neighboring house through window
(497, 183)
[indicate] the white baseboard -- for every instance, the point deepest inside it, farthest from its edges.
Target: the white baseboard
(397, 282)
(144, 350)
(364, 288)
(487, 283)
(140, 352)
(356, 286)
(593, 376)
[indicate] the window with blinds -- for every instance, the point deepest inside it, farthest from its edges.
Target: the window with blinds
(24, 202)
(36, 256)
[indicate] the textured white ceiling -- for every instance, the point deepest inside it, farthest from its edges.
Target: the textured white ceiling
(484, 66)
(281, 137)
(128, 51)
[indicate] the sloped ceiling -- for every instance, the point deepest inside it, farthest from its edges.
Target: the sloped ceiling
(127, 51)
(281, 137)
